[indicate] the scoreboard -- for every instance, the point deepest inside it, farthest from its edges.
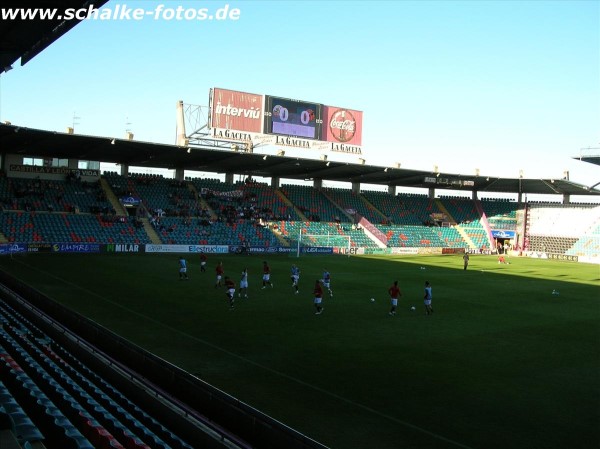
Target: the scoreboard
(287, 117)
(271, 120)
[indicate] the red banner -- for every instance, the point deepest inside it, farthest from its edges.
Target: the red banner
(342, 125)
(235, 110)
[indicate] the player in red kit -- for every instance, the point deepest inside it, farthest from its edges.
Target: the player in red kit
(395, 293)
(230, 291)
(318, 293)
(266, 275)
(219, 270)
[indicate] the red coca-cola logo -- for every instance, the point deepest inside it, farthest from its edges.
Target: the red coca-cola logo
(342, 125)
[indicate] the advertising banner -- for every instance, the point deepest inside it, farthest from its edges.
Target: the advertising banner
(376, 251)
(503, 234)
(342, 126)
(566, 257)
(297, 142)
(39, 247)
(317, 250)
(268, 249)
(76, 248)
(9, 248)
(453, 250)
(349, 251)
(209, 249)
(130, 201)
(403, 250)
(52, 170)
(236, 111)
(230, 194)
(123, 248)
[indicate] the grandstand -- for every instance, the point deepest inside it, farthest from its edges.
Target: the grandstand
(563, 229)
(213, 212)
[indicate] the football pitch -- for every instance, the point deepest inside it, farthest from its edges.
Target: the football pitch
(502, 362)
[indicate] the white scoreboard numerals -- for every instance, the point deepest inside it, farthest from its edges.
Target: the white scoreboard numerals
(284, 114)
(304, 117)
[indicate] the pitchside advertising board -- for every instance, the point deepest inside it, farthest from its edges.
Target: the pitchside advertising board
(284, 122)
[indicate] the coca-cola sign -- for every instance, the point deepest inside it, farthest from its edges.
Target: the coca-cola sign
(342, 125)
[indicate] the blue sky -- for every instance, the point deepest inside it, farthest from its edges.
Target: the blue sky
(499, 86)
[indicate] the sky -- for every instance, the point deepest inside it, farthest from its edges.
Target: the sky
(462, 85)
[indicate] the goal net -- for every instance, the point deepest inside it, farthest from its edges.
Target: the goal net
(322, 243)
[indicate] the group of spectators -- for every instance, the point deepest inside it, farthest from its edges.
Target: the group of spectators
(231, 208)
(49, 196)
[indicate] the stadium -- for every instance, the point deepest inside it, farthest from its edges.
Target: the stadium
(116, 333)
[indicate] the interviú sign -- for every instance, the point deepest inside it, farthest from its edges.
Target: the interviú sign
(236, 111)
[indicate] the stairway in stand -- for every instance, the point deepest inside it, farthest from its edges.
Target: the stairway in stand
(112, 198)
(286, 200)
(152, 234)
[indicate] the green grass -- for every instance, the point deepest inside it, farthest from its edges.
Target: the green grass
(501, 364)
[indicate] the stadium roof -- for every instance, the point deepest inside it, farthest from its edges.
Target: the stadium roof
(29, 142)
(26, 38)
(592, 159)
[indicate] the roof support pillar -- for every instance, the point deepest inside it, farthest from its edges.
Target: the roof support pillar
(317, 183)
(356, 187)
(229, 178)
(474, 195)
(275, 180)
(431, 195)
(179, 174)
(124, 170)
(392, 190)
(566, 198)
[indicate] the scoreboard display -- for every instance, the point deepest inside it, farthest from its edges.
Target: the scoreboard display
(280, 121)
(287, 117)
